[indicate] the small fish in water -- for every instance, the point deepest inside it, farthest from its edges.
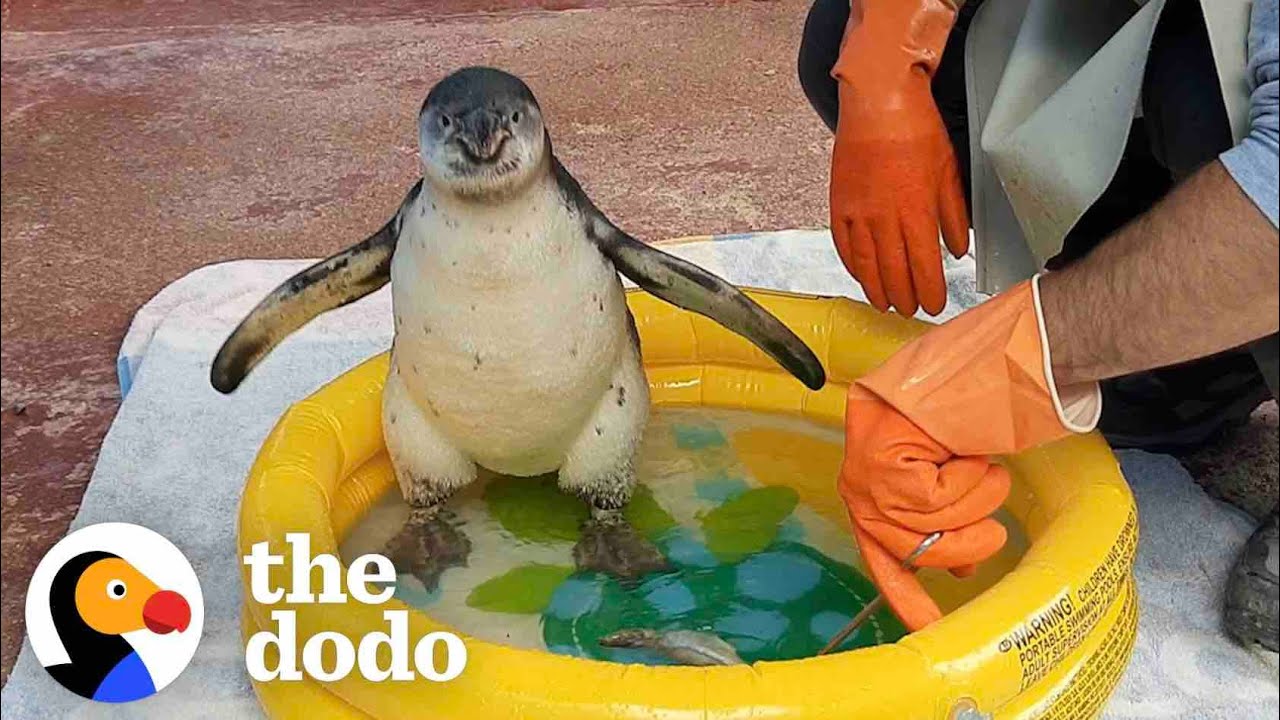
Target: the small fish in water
(687, 647)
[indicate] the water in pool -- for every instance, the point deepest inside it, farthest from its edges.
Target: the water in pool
(765, 567)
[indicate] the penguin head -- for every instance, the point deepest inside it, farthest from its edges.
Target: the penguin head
(112, 597)
(481, 134)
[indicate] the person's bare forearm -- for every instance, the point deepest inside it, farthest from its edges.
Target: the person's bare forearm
(1195, 275)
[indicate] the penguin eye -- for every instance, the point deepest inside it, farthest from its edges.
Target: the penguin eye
(445, 121)
(116, 589)
(515, 116)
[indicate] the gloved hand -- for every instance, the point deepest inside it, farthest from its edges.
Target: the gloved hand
(894, 178)
(920, 430)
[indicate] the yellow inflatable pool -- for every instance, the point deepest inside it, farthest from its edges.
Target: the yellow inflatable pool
(1048, 639)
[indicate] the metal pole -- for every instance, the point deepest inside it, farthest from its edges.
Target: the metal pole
(908, 563)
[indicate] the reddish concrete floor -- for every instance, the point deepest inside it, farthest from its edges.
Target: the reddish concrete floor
(142, 140)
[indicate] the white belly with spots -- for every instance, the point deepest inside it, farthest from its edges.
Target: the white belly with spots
(509, 323)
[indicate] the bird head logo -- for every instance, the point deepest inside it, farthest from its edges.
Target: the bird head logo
(117, 610)
(110, 596)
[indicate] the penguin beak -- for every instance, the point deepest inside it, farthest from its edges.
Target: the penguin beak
(165, 612)
(483, 135)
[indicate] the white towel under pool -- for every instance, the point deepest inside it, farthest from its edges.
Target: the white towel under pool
(177, 454)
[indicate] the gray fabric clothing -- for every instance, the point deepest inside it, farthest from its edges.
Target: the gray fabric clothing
(1255, 161)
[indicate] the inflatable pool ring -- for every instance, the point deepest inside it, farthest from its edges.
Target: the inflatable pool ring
(1050, 638)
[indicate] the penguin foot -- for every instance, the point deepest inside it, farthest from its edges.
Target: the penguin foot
(427, 545)
(610, 545)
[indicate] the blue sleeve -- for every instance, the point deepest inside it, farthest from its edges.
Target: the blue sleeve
(1255, 161)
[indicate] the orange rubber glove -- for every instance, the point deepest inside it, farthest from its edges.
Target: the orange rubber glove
(894, 178)
(920, 430)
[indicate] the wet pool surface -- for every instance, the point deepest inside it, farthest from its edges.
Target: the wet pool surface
(764, 566)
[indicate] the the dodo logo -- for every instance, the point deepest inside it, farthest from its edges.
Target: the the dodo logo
(114, 612)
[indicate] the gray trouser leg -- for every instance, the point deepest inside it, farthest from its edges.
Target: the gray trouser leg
(1267, 352)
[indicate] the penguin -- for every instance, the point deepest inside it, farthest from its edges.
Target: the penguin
(94, 599)
(514, 349)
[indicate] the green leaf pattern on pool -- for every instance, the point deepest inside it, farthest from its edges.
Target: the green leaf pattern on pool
(646, 515)
(747, 523)
(783, 603)
(536, 510)
(743, 577)
(523, 590)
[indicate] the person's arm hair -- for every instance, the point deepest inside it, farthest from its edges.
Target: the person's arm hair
(1197, 274)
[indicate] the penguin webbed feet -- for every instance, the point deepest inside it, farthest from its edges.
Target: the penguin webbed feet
(609, 544)
(428, 544)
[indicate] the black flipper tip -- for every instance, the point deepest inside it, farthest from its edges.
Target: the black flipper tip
(809, 371)
(223, 382)
(227, 372)
(798, 359)
(816, 379)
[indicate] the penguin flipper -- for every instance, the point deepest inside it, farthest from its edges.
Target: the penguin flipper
(338, 280)
(688, 286)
